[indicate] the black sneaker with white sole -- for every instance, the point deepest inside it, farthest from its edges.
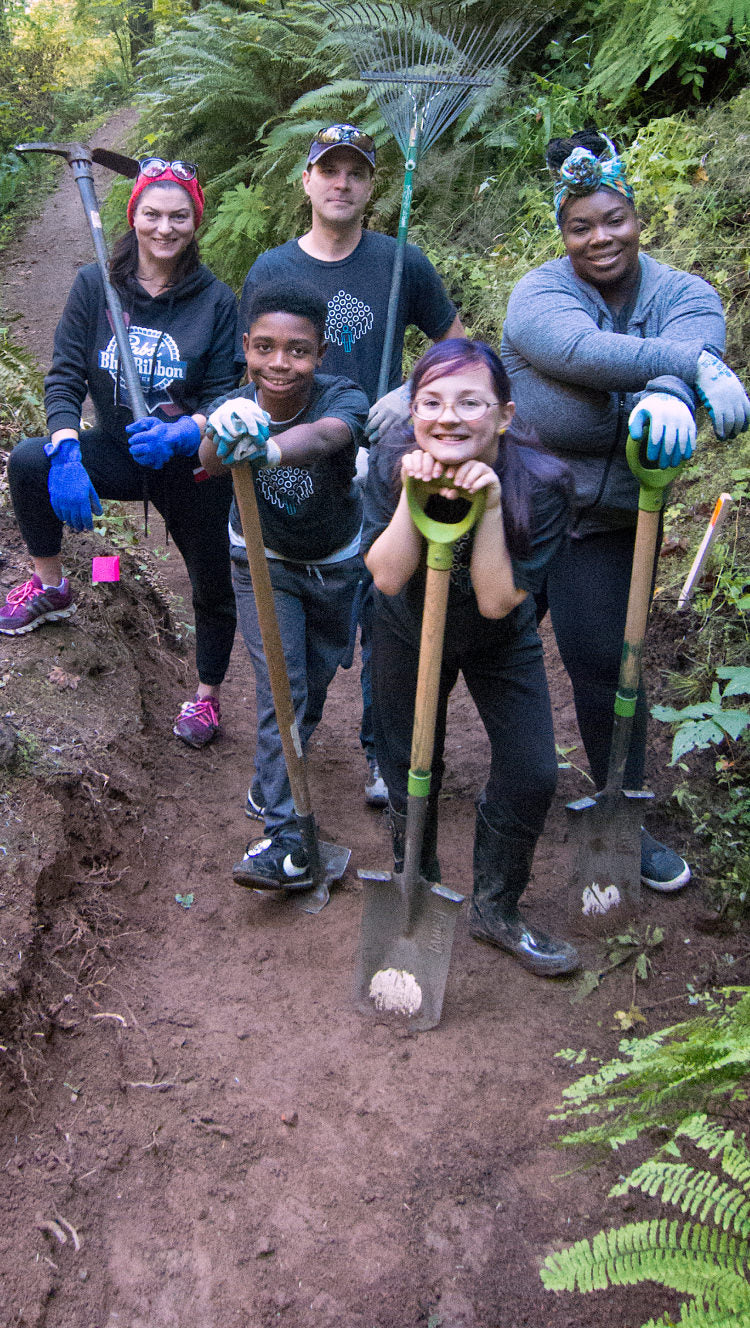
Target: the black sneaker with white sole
(274, 863)
(661, 868)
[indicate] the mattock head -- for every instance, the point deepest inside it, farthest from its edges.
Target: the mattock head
(70, 151)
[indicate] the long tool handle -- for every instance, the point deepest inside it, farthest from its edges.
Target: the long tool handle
(84, 179)
(244, 490)
(653, 482)
(398, 262)
(425, 715)
(644, 555)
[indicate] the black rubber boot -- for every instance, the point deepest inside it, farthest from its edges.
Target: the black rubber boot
(428, 863)
(502, 866)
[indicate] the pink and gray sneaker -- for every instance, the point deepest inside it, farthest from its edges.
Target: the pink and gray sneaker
(198, 721)
(30, 605)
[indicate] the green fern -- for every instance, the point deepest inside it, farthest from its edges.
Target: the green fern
(662, 1078)
(708, 1263)
(21, 392)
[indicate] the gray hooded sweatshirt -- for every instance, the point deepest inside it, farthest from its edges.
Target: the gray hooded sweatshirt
(576, 374)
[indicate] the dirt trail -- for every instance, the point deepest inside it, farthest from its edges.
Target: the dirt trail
(232, 1144)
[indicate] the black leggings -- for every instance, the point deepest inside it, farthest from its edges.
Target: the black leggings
(504, 672)
(587, 592)
(195, 514)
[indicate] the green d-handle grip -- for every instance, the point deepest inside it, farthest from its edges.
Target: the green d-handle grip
(652, 479)
(440, 535)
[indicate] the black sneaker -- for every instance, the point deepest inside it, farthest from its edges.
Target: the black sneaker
(661, 868)
(254, 806)
(278, 863)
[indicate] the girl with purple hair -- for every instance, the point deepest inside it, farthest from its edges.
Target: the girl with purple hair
(461, 430)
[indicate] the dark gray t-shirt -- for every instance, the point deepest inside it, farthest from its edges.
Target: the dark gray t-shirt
(550, 511)
(308, 512)
(356, 290)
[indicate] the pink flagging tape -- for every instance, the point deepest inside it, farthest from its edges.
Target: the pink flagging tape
(105, 569)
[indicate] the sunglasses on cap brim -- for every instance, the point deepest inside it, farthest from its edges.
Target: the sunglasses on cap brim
(345, 135)
(153, 167)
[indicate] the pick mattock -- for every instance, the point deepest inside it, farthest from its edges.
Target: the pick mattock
(425, 66)
(328, 862)
(79, 159)
(605, 886)
(407, 922)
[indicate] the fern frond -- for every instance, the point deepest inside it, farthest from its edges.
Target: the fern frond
(688, 1258)
(696, 1193)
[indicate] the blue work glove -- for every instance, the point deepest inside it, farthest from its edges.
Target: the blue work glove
(241, 430)
(670, 425)
(154, 442)
(723, 395)
(390, 410)
(72, 495)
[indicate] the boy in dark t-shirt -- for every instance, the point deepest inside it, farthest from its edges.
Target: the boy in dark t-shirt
(301, 430)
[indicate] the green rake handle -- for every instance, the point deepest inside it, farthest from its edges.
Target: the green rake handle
(398, 262)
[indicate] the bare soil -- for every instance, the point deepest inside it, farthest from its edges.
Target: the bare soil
(196, 1126)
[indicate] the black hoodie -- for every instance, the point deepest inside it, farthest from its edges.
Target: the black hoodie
(182, 340)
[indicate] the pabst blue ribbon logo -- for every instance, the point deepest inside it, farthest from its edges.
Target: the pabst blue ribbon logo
(348, 320)
(157, 362)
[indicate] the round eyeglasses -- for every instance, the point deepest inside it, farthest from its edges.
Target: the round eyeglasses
(152, 167)
(467, 409)
(345, 133)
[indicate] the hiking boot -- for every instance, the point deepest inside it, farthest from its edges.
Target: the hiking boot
(30, 605)
(198, 721)
(376, 793)
(255, 807)
(278, 863)
(661, 868)
(502, 866)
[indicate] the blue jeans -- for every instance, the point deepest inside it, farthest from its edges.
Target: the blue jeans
(313, 607)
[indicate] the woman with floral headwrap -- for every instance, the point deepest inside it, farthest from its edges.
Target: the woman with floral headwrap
(181, 324)
(603, 340)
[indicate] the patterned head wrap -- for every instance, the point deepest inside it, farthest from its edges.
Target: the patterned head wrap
(582, 173)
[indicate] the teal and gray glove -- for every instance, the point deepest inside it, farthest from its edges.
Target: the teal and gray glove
(723, 395)
(670, 425)
(390, 410)
(241, 430)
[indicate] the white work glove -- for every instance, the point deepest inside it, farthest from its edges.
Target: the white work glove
(241, 431)
(723, 395)
(390, 410)
(670, 425)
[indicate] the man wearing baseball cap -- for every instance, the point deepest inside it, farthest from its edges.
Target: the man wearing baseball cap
(351, 267)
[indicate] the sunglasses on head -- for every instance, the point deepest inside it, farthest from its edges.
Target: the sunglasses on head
(345, 133)
(152, 167)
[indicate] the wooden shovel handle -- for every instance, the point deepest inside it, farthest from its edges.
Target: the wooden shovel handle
(430, 663)
(244, 492)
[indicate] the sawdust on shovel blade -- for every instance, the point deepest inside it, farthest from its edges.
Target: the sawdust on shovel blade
(396, 990)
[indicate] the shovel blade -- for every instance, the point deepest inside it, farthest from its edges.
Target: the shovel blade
(402, 962)
(605, 883)
(334, 860)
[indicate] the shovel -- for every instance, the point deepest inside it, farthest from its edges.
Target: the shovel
(408, 923)
(605, 887)
(328, 862)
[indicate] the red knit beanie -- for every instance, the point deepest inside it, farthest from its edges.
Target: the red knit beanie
(191, 187)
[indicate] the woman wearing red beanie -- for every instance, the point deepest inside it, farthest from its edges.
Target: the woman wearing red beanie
(181, 325)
